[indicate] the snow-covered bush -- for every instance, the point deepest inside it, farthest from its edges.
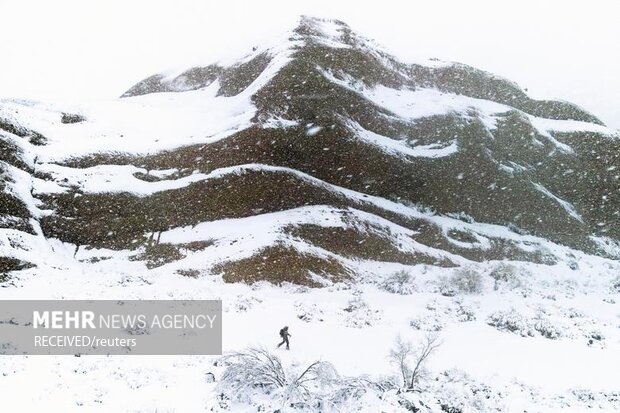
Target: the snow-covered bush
(255, 371)
(467, 280)
(514, 322)
(573, 265)
(353, 388)
(446, 287)
(508, 275)
(456, 391)
(615, 285)
(426, 323)
(462, 216)
(546, 328)
(401, 282)
(573, 312)
(463, 280)
(465, 312)
(244, 303)
(359, 314)
(596, 339)
(72, 118)
(438, 313)
(308, 312)
(318, 388)
(517, 230)
(510, 321)
(251, 369)
(189, 272)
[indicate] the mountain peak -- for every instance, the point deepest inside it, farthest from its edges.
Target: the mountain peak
(334, 47)
(307, 31)
(309, 26)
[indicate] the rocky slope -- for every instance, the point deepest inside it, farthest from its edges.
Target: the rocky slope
(310, 160)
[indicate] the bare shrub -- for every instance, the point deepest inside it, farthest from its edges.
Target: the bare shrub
(411, 360)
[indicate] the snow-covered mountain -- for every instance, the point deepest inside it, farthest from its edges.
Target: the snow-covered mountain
(340, 151)
(321, 160)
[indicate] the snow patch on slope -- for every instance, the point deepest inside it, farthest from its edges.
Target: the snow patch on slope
(568, 207)
(232, 238)
(425, 102)
(398, 147)
(140, 125)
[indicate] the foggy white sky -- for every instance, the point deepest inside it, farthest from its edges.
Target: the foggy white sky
(73, 50)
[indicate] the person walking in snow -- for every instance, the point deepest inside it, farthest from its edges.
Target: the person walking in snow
(285, 335)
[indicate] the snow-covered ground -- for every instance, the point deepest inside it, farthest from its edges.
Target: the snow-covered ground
(564, 355)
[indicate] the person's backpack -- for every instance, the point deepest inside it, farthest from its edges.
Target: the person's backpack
(283, 333)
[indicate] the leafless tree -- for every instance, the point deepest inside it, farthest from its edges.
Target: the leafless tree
(410, 360)
(400, 355)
